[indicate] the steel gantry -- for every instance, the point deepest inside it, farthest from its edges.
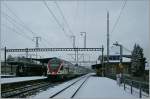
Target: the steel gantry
(52, 49)
(49, 49)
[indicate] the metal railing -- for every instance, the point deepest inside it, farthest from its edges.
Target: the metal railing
(142, 88)
(139, 87)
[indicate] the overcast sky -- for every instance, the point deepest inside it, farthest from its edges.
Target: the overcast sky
(82, 16)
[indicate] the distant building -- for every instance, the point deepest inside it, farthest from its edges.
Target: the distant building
(113, 67)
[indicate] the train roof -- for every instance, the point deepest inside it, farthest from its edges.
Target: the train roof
(45, 60)
(42, 60)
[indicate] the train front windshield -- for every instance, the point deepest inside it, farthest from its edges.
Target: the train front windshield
(54, 64)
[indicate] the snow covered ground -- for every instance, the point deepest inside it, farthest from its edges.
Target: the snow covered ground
(52, 90)
(71, 90)
(101, 87)
(94, 87)
(135, 91)
(19, 79)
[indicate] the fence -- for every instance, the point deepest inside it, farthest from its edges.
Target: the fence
(141, 88)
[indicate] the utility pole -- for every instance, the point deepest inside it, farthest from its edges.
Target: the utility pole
(74, 39)
(5, 58)
(74, 45)
(37, 38)
(27, 54)
(84, 38)
(107, 37)
(102, 61)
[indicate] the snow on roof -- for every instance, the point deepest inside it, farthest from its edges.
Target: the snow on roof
(124, 59)
(20, 79)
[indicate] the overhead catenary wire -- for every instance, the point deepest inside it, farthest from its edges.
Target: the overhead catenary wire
(16, 27)
(24, 26)
(25, 36)
(3, 13)
(127, 49)
(55, 18)
(21, 23)
(63, 17)
(13, 21)
(123, 48)
(124, 4)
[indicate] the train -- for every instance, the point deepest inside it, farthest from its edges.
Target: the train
(30, 69)
(54, 68)
(61, 69)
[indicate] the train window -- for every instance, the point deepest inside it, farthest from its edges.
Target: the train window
(61, 68)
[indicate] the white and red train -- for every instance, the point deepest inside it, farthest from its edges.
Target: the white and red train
(61, 69)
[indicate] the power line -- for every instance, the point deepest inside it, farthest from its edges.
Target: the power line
(16, 22)
(48, 43)
(124, 4)
(123, 48)
(21, 22)
(17, 27)
(127, 49)
(25, 36)
(63, 17)
(11, 20)
(53, 15)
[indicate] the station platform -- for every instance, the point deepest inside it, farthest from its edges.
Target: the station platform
(101, 87)
(20, 79)
(94, 87)
(7, 76)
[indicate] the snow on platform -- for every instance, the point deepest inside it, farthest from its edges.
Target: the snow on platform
(101, 87)
(52, 90)
(94, 87)
(20, 79)
(7, 76)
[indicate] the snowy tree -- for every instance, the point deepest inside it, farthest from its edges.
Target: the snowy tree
(137, 61)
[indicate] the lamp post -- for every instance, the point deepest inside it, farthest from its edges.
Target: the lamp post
(84, 38)
(74, 39)
(74, 45)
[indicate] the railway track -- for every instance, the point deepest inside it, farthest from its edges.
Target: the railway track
(31, 89)
(24, 91)
(73, 88)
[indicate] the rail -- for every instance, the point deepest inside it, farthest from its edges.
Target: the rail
(70, 86)
(22, 90)
(79, 87)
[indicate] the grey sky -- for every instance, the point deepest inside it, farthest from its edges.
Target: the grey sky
(88, 16)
